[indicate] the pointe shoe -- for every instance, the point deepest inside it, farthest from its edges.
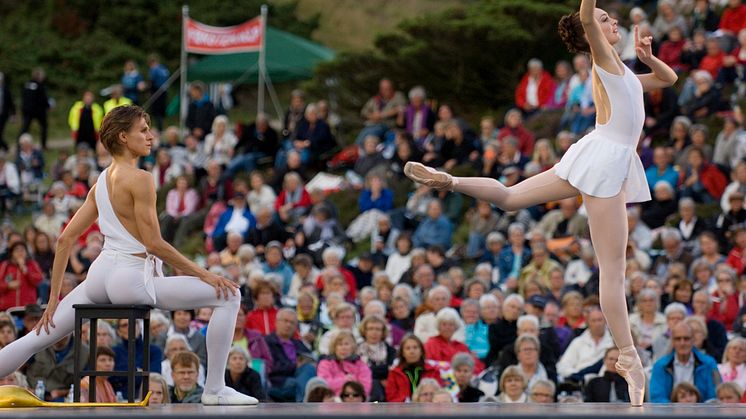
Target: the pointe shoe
(629, 367)
(228, 397)
(428, 176)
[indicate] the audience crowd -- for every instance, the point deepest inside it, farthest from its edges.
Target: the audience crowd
(424, 296)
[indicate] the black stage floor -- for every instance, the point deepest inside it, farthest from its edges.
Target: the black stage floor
(379, 411)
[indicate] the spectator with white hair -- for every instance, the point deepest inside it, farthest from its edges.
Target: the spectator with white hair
(489, 309)
(176, 344)
(705, 97)
(332, 258)
(716, 333)
(443, 346)
(673, 252)
(690, 226)
(418, 118)
(462, 365)
(159, 325)
(425, 326)
(505, 330)
(587, 349)
(241, 377)
(495, 242)
(344, 318)
(733, 366)
(534, 92)
(675, 313)
(639, 233)
(475, 330)
(655, 212)
(547, 353)
(542, 391)
(220, 143)
(647, 323)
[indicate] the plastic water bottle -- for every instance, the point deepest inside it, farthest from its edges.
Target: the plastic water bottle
(40, 390)
(71, 395)
(120, 397)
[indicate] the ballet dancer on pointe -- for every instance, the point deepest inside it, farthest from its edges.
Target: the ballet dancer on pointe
(128, 270)
(603, 167)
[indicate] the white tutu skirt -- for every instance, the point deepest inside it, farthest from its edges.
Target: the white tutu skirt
(599, 166)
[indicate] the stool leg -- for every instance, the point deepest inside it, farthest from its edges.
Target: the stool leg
(92, 359)
(131, 364)
(146, 355)
(76, 355)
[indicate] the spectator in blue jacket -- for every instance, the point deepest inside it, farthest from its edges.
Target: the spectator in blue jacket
(683, 364)
(662, 169)
(513, 257)
(376, 195)
(237, 218)
(435, 229)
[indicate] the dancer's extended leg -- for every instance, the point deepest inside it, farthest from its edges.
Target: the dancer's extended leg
(608, 224)
(544, 187)
(188, 292)
(538, 189)
(19, 351)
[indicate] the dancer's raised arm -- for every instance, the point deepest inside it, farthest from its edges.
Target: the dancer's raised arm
(662, 75)
(595, 22)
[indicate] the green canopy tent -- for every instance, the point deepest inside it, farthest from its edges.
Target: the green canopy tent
(288, 57)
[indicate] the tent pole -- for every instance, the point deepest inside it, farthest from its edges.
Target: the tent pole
(273, 96)
(262, 58)
(182, 85)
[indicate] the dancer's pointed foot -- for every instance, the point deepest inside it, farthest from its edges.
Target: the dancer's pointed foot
(428, 176)
(228, 397)
(629, 366)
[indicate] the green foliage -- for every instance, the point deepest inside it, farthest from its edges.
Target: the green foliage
(83, 44)
(468, 56)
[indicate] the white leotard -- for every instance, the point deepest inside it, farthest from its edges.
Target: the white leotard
(600, 163)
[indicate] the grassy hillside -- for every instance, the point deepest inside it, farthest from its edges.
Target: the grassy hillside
(349, 25)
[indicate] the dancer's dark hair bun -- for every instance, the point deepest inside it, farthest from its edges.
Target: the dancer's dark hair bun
(572, 33)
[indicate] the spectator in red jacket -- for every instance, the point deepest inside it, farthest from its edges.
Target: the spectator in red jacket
(713, 61)
(294, 200)
(733, 18)
(736, 255)
(514, 128)
(725, 298)
(535, 91)
(410, 370)
(701, 180)
(670, 50)
(262, 317)
(443, 347)
(19, 277)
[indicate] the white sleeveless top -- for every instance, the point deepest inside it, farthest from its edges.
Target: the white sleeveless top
(600, 163)
(118, 241)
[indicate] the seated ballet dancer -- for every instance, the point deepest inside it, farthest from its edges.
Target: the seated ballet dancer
(603, 167)
(129, 270)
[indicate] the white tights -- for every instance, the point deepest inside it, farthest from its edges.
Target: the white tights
(607, 218)
(118, 279)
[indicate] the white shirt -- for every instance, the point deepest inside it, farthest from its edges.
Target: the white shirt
(426, 326)
(238, 223)
(683, 373)
(396, 265)
(532, 92)
(583, 352)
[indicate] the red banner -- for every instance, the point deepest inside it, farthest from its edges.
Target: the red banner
(204, 39)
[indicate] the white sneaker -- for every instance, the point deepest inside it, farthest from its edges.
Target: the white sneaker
(228, 397)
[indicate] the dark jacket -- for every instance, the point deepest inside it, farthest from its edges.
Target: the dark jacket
(194, 397)
(200, 115)
(501, 334)
(7, 108)
(266, 234)
(253, 141)
(470, 395)
(283, 367)
(34, 100)
(319, 134)
(599, 388)
(249, 383)
(56, 375)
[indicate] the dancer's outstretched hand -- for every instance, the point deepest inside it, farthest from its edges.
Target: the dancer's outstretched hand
(222, 285)
(46, 318)
(643, 46)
